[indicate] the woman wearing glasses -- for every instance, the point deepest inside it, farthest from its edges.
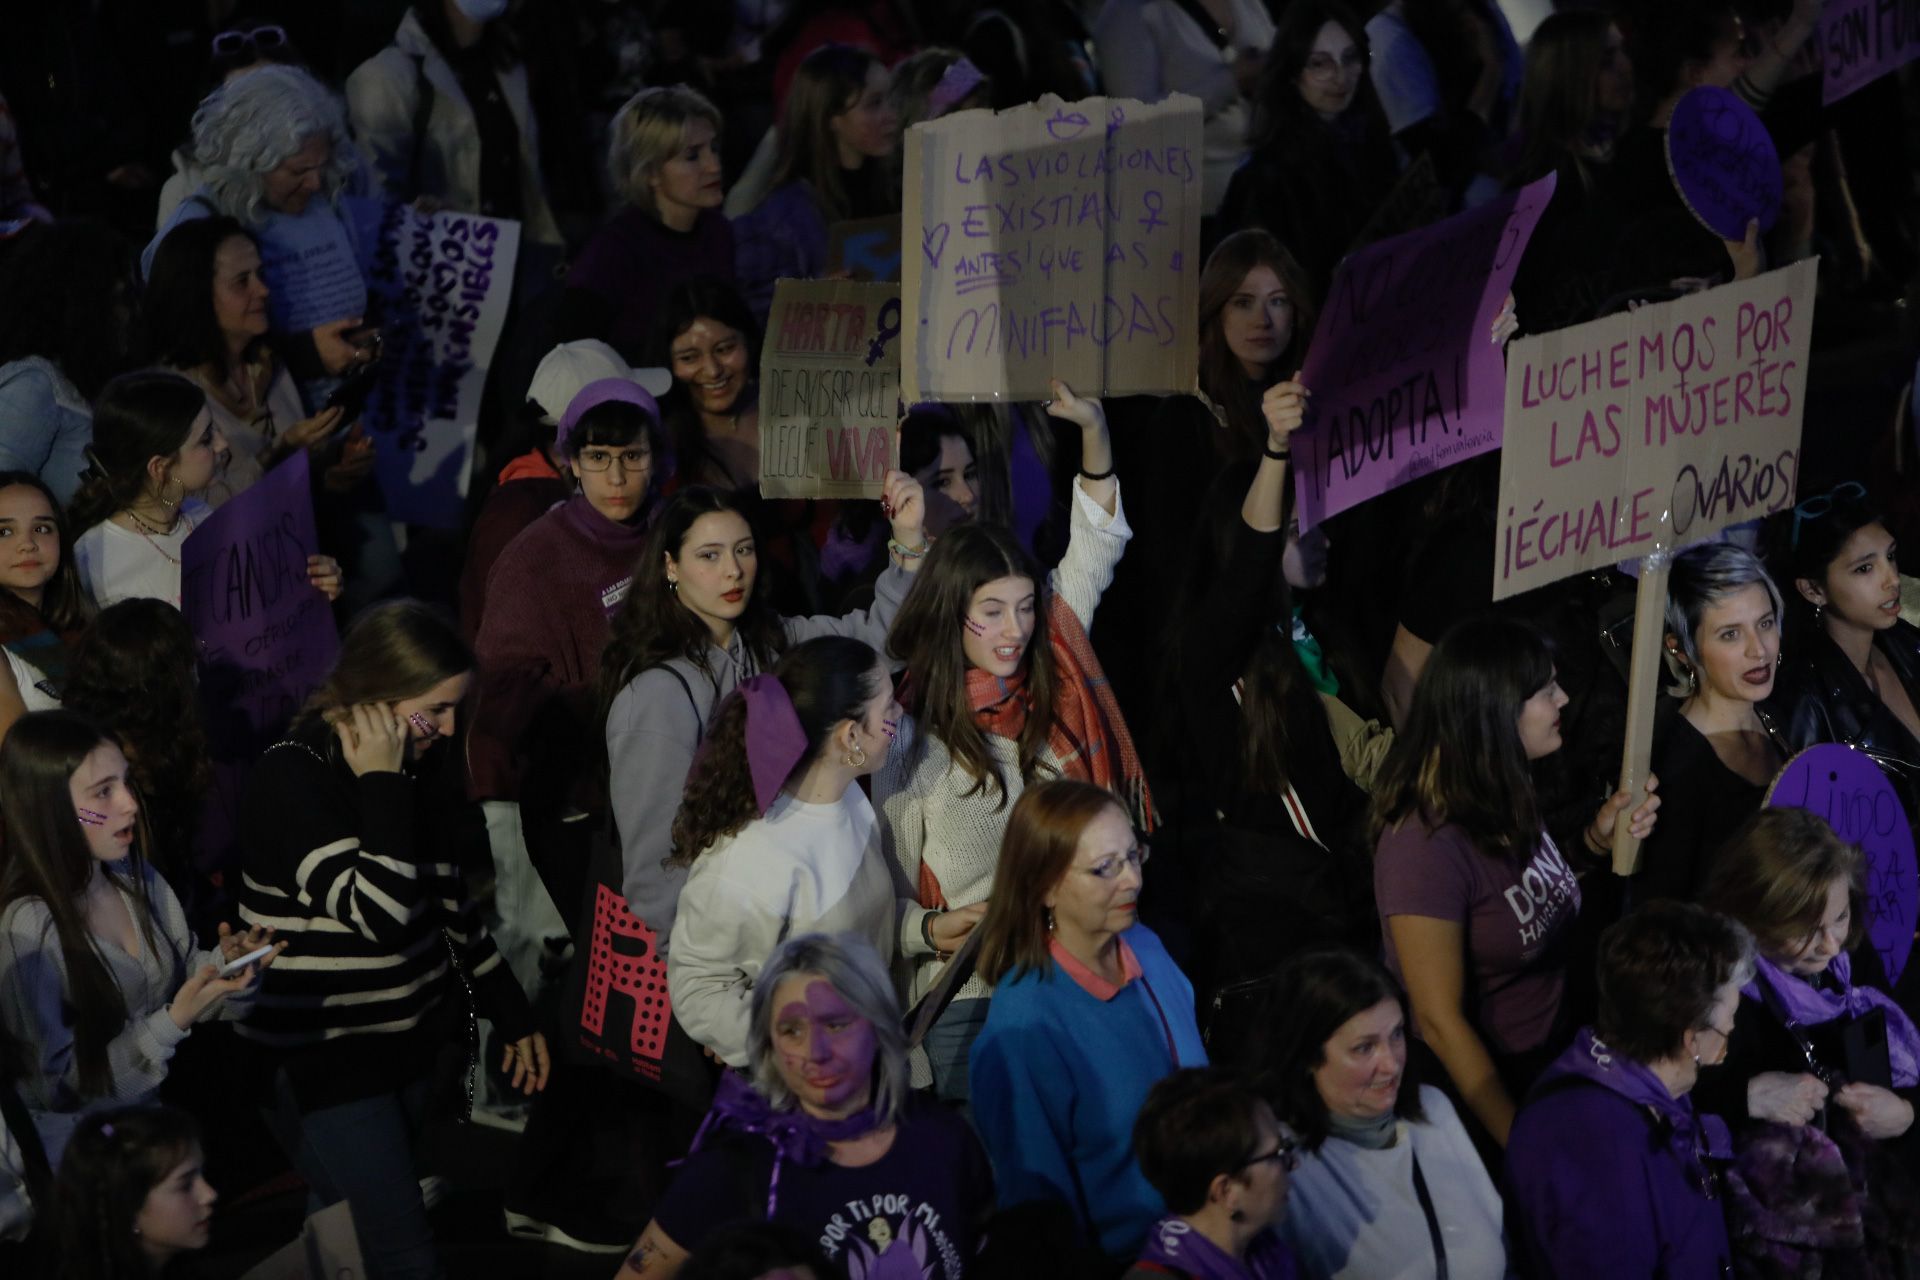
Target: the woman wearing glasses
(1322, 161)
(1386, 1160)
(1799, 889)
(1088, 1013)
(1612, 1171)
(1854, 676)
(1211, 1147)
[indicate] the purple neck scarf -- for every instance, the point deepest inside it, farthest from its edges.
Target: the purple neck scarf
(1693, 1138)
(1809, 1006)
(797, 1137)
(1173, 1243)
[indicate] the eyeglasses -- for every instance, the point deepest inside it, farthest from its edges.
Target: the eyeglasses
(1109, 867)
(1815, 507)
(1725, 1033)
(1324, 66)
(1287, 1153)
(630, 460)
(259, 39)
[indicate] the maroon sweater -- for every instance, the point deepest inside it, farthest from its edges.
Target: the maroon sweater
(550, 602)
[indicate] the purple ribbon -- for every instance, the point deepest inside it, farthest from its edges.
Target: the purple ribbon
(776, 743)
(599, 392)
(797, 1137)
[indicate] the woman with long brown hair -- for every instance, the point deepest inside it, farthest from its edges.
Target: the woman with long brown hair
(42, 604)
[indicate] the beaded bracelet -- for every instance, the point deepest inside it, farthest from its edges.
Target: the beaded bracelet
(909, 553)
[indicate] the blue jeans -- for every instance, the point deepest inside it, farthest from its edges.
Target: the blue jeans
(949, 1041)
(362, 1152)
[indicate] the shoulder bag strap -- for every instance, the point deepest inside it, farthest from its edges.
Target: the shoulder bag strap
(1433, 1219)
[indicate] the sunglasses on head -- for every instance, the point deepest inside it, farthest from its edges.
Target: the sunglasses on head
(1815, 507)
(258, 39)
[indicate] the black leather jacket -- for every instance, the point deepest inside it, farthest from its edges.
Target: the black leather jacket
(1829, 701)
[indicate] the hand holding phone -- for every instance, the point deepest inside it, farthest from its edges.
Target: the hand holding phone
(239, 963)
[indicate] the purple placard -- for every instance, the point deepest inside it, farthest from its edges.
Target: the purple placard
(1862, 40)
(266, 633)
(1405, 376)
(1723, 162)
(1846, 787)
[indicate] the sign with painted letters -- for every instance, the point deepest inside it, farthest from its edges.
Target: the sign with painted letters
(1723, 162)
(1652, 429)
(440, 285)
(1053, 240)
(829, 389)
(1406, 377)
(1862, 40)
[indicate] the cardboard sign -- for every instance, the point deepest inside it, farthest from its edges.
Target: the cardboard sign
(1652, 429)
(1405, 375)
(1847, 788)
(829, 389)
(1862, 40)
(1723, 162)
(1053, 240)
(266, 633)
(440, 287)
(865, 248)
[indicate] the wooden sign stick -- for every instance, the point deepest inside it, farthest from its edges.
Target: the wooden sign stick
(1643, 695)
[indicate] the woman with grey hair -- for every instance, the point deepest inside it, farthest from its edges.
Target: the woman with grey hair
(1716, 749)
(272, 151)
(828, 1137)
(663, 159)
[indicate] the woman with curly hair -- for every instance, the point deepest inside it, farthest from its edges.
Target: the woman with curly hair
(779, 838)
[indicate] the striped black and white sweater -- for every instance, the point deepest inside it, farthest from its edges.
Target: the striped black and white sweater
(366, 879)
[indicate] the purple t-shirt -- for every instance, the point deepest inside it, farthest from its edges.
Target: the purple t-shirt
(634, 260)
(913, 1214)
(1516, 918)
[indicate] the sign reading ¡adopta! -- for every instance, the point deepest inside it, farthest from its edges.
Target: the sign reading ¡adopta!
(1652, 429)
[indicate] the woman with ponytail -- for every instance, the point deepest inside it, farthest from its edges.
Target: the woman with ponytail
(155, 449)
(99, 976)
(779, 836)
(1003, 690)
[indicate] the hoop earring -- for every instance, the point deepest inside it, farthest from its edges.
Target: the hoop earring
(857, 757)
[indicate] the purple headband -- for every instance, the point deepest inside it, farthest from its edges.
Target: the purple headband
(598, 393)
(776, 743)
(961, 79)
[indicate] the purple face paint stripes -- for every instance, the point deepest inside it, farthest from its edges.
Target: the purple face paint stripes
(91, 818)
(425, 726)
(975, 627)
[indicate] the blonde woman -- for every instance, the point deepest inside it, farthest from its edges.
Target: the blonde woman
(663, 159)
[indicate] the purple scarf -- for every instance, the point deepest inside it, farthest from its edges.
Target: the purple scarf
(1809, 1006)
(796, 1137)
(1175, 1245)
(1693, 1138)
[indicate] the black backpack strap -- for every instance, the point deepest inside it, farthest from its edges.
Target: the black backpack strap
(699, 725)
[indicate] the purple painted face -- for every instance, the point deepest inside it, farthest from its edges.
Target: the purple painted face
(825, 1049)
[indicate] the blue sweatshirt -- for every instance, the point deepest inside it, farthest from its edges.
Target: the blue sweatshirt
(1057, 1077)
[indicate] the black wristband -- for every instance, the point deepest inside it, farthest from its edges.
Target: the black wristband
(1278, 455)
(1089, 475)
(926, 928)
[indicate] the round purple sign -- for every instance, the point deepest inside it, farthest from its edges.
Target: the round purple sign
(1846, 788)
(1723, 162)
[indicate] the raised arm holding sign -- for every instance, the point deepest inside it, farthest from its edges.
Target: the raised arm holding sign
(1639, 434)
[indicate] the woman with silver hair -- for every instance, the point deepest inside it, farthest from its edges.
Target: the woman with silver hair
(1715, 750)
(272, 151)
(828, 1137)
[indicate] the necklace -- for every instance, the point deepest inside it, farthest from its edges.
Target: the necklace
(149, 533)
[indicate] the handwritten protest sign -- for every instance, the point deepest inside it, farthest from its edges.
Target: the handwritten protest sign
(1847, 788)
(1723, 162)
(1405, 376)
(1862, 40)
(865, 248)
(1652, 429)
(440, 285)
(1053, 240)
(829, 389)
(266, 634)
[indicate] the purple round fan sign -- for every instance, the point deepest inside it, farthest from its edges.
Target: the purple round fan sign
(1846, 787)
(1723, 162)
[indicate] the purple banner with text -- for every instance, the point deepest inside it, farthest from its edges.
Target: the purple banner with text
(1406, 378)
(1652, 429)
(1862, 40)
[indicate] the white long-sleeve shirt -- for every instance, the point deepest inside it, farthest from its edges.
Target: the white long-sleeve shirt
(803, 868)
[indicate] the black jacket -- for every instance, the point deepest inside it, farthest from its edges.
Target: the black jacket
(1828, 701)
